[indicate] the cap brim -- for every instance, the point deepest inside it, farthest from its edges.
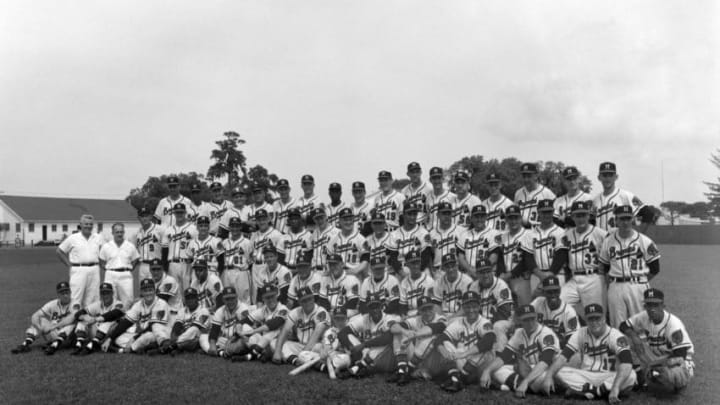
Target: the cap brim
(522, 317)
(582, 211)
(618, 216)
(427, 305)
(551, 287)
(594, 315)
(655, 300)
(471, 300)
(62, 290)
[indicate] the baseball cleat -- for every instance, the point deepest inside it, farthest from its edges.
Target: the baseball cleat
(403, 380)
(452, 386)
(50, 350)
(20, 349)
(394, 378)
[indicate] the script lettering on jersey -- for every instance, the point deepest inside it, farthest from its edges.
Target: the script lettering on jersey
(416, 293)
(469, 339)
(445, 242)
(294, 243)
(302, 325)
(218, 214)
(471, 244)
(528, 204)
(147, 239)
(406, 243)
(632, 250)
(530, 350)
(544, 242)
(582, 245)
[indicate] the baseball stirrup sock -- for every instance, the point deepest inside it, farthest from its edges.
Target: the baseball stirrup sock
(512, 381)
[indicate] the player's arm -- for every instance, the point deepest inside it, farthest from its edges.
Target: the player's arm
(220, 263)
(507, 356)
(393, 260)
(548, 384)
(316, 336)
(426, 258)
(623, 370)
(426, 331)
(344, 337)
(281, 339)
(559, 261)
(503, 312)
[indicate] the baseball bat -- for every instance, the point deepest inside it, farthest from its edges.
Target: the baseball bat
(331, 369)
(299, 369)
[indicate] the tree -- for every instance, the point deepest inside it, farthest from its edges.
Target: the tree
(675, 208)
(155, 188)
(229, 160)
(714, 194)
(700, 210)
(260, 175)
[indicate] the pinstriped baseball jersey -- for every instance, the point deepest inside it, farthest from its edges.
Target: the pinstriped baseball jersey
(604, 206)
(307, 204)
(464, 334)
(264, 206)
(177, 240)
(168, 286)
(207, 249)
(215, 211)
(391, 206)
(261, 315)
(663, 338)
(98, 308)
(339, 290)
(280, 277)
(227, 319)
(449, 293)
(55, 311)
(388, 287)
(583, 248)
(563, 203)
(530, 347)
(403, 241)
(361, 213)
(242, 213)
(350, 247)
(332, 212)
(238, 253)
(304, 324)
(365, 328)
(295, 243)
(164, 213)
(598, 354)
(476, 243)
(563, 320)
(260, 239)
(432, 206)
(148, 242)
(281, 213)
(528, 201)
(462, 208)
(628, 257)
(199, 318)
(377, 246)
(313, 281)
(208, 290)
(418, 196)
(444, 241)
(411, 291)
(320, 239)
(496, 212)
(492, 298)
(514, 245)
(143, 315)
(415, 323)
(544, 243)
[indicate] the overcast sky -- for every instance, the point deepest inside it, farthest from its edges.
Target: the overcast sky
(96, 96)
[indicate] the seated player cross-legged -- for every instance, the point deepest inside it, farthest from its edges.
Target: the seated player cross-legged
(95, 321)
(265, 322)
(192, 321)
(306, 323)
(222, 340)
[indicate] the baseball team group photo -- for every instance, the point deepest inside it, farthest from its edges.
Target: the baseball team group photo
(474, 235)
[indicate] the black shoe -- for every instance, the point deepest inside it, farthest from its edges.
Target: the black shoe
(50, 350)
(394, 378)
(241, 357)
(343, 375)
(20, 349)
(85, 351)
(78, 350)
(362, 372)
(453, 386)
(153, 352)
(403, 380)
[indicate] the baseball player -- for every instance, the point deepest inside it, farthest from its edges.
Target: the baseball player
(339, 289)
(449, 289)
(79, 252)
(610, 197)
(495, 300)
(417, 191)
(479, 241)
(260, 203)
(148, 242)
(165, 211)
(438, 195)
(563, 204)
(349, 244)
(630, 260)
(389, 202)
(369, 340)
(382, 283)
(191, 322)
(361, 209)
(464, 200)
(376, 243)
(297, 239)
(606, 362)
(546, 239)
(413, 340)
(467, 344)
(239, 210)
(410, 236)
(309, 201)
(118, 258)
(271, 273)
(265, 235)
(553, 312)
(337, 358)
(578, 250)
(283, 205)
(496, 203)
(144, 325)
(208, 285)
(227, 320)
(197, 202)
(416, 285)
(216, 208)
(522, 364)
(305, 277)
(267, 322)
(95, 321)
(166, 288)
(238, 258)
(444, 237)
(517, 247)
(207, 247)
(54, 321)
(308, 323)
(527, 197)
(661, 342)
(335, 205)
(321, 237)
(175, 242)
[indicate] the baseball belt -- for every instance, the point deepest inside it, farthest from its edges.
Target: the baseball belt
(120, 269)
(585, 273)
(83, 264)
(641, 279)
(180, 260)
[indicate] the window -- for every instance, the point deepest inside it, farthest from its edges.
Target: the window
(65, 228)
(17, 228)
(53, 228)
(31, 227)
(99, 226)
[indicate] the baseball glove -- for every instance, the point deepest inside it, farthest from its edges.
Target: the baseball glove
(669, 377)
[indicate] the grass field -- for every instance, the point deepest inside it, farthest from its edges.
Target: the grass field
(689, 276)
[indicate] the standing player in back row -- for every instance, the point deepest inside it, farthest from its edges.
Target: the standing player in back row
(478, 242)
(574, 193)
(283, 205)
(496, 203)
(546, 239)
(164, 213)
(308, 201)
(436, 196)
(417, 191)
(148, 241)
(216, 208)
(464, 200)
(611, 196)
(361, 209)
(527, 197)
(335, 205)
(389, 202)
(350, 245)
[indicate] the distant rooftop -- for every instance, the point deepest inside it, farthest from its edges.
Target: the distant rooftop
(69, 209)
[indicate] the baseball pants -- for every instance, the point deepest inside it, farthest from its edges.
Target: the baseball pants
(501, 375)
(416, 350)
(241, 280)
(575, 378)
(122, 282)
(181, 273)
(583, 290)
(34, 331)
(265, 339)
(439, 365)
(501, 329)
(382, 356)
(294, 348)
(624, 301)
(90, 331)
(189, 339)
(84, 285)
(157, 335)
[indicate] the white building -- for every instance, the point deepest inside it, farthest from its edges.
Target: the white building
(38, 219)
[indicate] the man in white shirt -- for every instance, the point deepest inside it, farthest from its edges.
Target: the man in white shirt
(79, 252)
(118, 258)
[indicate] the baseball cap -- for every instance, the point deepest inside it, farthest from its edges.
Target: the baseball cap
(412, 166)
(318, 212)
(424, 301)
(483, 263)
(378, 261)
(653, 295)
(235, 222)
(144, 212)
(410, 207)
(203, 220)
(334, 258)
(304, 258)
(478, 210)
(444, 206)
(448, 259)
(462, 175)
(470, 296)
(346, 212)
(228, 292)
(237, 191)
(607, 167)
(578, 207)
(339, 312)
(195, 188)
(374, 299)
(257, 187)
(294, 212)
(190, 292)
(525, 312)
(512, 211)
(269, 248)
(492, 178)
(545, 205)
(304, 293)
(147, 283)
(528, 168)
(261, 213)
(215, 186)
(307, 179)
(335, 187)
(594, 310)
(200, 264)
(385, 175)
(377, 217)
(412, 256)
(179, 207)
(551, 283)
(570, 172)
(358, 185)
(173, 180)
(156, 264)
(623, 211)
(436, 172)
(106, 287)
(62, 286)
(268, 289)
(282, 183)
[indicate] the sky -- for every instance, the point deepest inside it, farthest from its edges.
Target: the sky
(95, 97)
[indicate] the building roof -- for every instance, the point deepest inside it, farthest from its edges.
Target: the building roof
(48, 209)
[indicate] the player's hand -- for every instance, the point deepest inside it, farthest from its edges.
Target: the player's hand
(548, 385)
(212, 351)
(105, 345)
(613, 398)
(520, 390)
(277, 357)
(485, 380)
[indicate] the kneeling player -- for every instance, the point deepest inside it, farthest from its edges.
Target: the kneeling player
(661, 342)
(467, 344)
(95, 321)
(55, 321)
(308, 322)
(191, 322)
(413, 339)
(526, 357)
(222, 340)
(266, 322)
